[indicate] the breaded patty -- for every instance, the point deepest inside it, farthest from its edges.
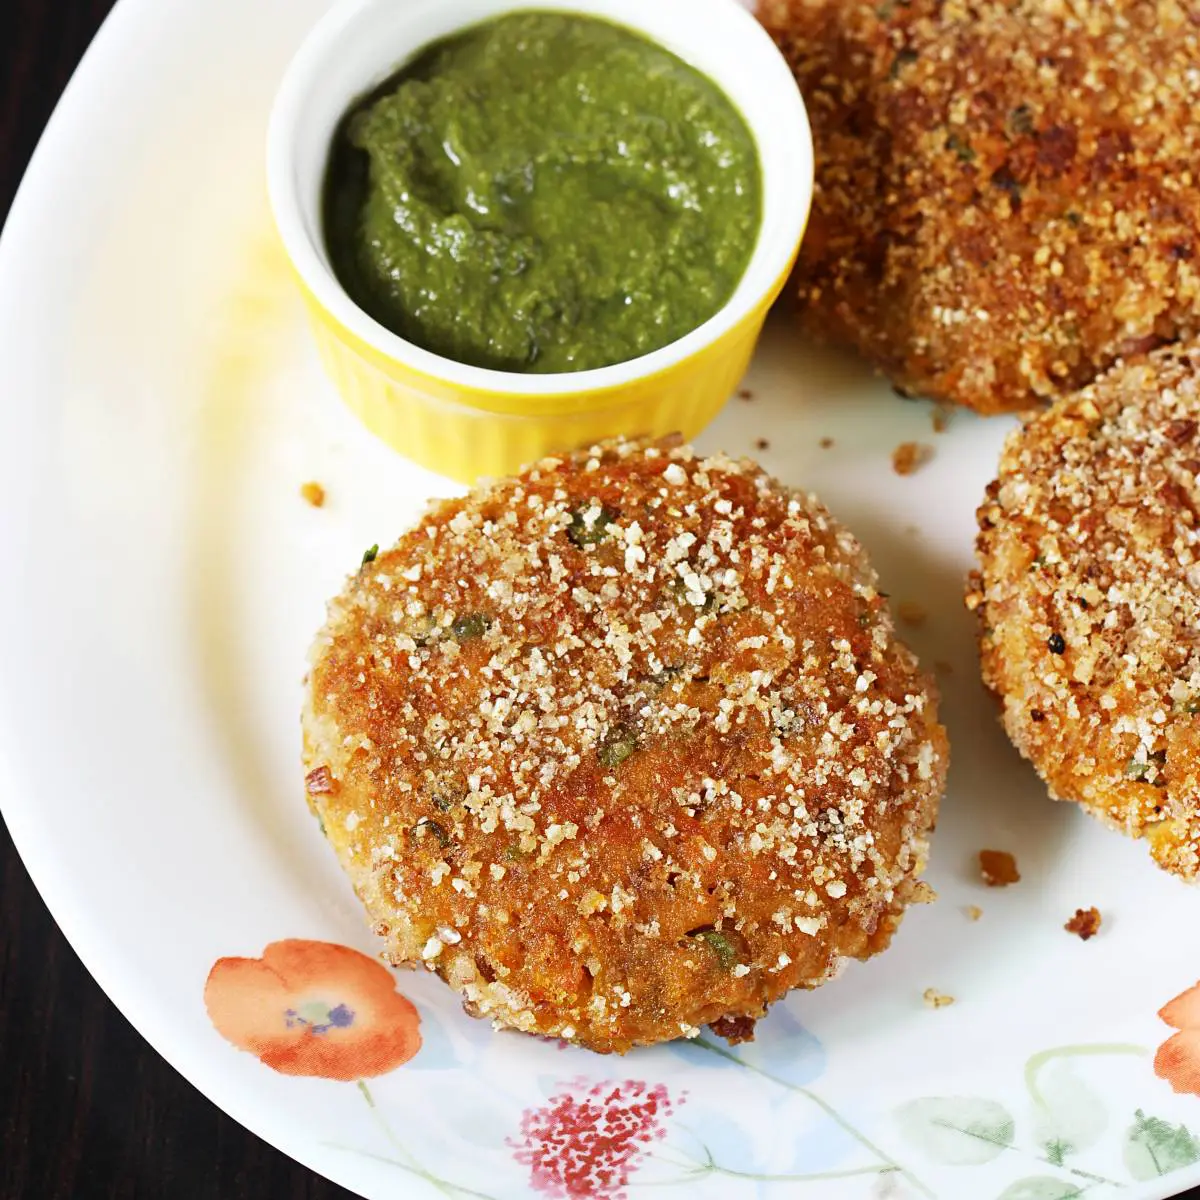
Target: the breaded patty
(1088, 598)
(624, 746)
(1007, 192)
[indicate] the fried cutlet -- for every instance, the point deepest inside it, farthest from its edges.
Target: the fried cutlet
(1088, 599)
(1007, 198)
(624, 747)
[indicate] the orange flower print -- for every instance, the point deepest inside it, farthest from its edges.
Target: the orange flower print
(1178, 1058)
(313, 1008)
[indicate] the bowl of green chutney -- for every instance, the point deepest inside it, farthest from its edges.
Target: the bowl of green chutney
(523, 228)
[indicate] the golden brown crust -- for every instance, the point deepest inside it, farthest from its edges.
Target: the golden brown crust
(1088, 599)
(1006, 198)
(624, 747)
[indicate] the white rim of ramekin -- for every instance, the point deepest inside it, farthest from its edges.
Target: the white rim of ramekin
(790, 170)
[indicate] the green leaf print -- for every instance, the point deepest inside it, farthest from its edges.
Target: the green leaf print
(1154, 1147)
(960, 1131)
(1056, 1151)
(1040, 1187)
(1067, 1115)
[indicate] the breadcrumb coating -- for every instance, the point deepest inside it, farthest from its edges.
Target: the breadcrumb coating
(624, 747)
(1006, 195)
(1088, 599)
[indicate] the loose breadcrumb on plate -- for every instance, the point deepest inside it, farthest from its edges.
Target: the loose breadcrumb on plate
(1085, 923)
(909, 457)
(998, 868)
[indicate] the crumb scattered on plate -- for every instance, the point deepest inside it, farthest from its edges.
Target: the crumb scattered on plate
(935, 999)
(313, 493)
(745, 394)
(998, 868)
(941, 418)
(911, 613)
(909, 457)
(761, 444)
(973, 911)
(1085, 923)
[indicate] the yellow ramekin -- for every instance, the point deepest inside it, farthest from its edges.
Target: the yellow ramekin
(467, 422)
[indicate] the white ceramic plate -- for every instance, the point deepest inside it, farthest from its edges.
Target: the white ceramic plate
(161, 408)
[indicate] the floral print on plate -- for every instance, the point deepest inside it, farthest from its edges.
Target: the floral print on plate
(316, 1009)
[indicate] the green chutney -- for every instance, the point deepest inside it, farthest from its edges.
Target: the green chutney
(543, 192)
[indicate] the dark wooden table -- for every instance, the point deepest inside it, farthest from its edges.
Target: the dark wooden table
(88, 1111)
